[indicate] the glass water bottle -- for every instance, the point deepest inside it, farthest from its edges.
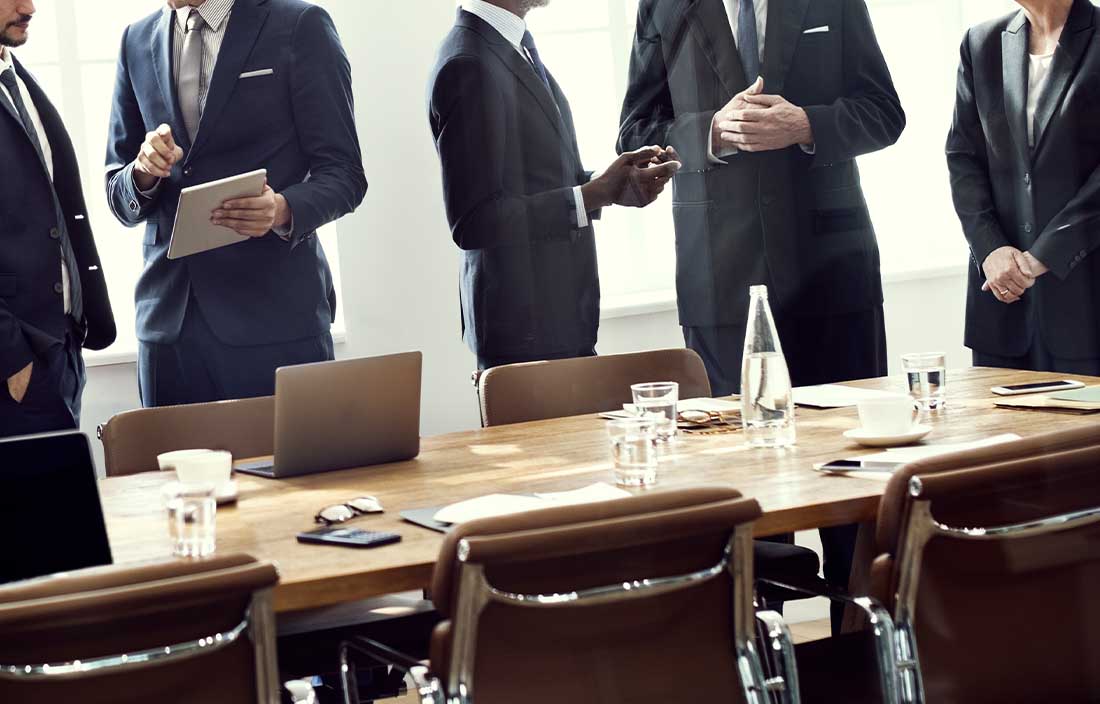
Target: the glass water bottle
(767, 401)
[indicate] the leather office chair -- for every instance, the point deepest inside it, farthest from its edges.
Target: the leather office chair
(516, 393)
(646, 600)
(133, 439)
(180, 631)
(993, 553)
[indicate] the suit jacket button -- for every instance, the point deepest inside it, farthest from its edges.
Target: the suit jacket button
(187, 171)
(55, 234)
(1028, 228)
(58, 288)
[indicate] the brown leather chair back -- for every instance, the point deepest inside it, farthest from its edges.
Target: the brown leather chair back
(133, 439)
(191, 631)
(997, 575)
(587, 639)
(517, 393)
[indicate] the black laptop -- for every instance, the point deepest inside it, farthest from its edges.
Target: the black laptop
(50, 516)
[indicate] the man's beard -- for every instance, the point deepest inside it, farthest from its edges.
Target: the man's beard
(7, 40)
(528, 5)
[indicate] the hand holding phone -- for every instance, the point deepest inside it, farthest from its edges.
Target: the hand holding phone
(1036, 387)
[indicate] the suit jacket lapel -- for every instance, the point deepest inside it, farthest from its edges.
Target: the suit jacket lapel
(1014, 69)
(1075, 39)
(161, 49)
(711, 25)
(245, 24)
(34, 93)
(781, 39)
(517, 65)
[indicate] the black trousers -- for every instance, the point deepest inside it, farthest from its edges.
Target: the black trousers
(199, 367)
(1039, 359)
(52, 400)
(819, 350)
(488, 362)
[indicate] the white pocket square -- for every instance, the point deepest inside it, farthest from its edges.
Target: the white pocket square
(817, 30)
(261, 72)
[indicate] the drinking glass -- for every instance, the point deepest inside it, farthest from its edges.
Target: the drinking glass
(658, 401)
(634, 451)
(926, 373)
(191, 519)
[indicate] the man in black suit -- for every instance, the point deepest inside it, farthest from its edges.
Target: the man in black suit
(768, 105)
(519, 202)
(1024, 157)
(53, 297)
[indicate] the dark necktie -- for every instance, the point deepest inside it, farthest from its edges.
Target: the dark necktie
(528, 43)
(60, 233)
(748, 41)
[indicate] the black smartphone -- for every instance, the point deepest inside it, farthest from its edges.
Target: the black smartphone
(857, 466)
(349, 537)
(1036, 387)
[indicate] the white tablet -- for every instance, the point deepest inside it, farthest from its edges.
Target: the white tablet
(193, 232)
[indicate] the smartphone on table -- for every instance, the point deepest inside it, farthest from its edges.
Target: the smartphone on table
(1036, 387)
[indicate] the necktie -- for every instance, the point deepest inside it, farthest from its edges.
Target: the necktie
(528, 43)
(748, 41)
(60, 233)
(189, 88)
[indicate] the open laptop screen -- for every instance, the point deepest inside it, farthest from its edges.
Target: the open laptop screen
(50, 516)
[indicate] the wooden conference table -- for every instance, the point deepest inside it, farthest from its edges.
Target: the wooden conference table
(552, 455)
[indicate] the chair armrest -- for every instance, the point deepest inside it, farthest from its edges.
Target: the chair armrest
(428, 687)
(898, 666)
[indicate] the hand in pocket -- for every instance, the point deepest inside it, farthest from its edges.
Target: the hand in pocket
(19, 382)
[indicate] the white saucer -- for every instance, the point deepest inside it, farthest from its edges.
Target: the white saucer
(226, 493)
(873, 440)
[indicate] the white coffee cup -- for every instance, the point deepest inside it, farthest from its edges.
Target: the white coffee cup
(888, 415)
(198, 466)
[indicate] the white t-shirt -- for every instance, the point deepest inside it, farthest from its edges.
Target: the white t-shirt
(1038, 71)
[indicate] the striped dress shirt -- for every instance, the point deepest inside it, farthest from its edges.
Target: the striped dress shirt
(215, 13)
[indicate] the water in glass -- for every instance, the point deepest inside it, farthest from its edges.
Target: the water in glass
(657, 401)
(926, 375)
(191, 520)
(634, 451)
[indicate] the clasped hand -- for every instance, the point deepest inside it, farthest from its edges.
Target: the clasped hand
(756, 122)
(1009, 273)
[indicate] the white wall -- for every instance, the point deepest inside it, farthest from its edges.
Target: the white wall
(400, 268)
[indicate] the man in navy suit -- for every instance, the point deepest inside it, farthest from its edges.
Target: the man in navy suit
(53, 297)
(211, 89)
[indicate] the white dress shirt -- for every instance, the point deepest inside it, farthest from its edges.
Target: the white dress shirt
(1037, 74)
(512, 27)
(6, 62)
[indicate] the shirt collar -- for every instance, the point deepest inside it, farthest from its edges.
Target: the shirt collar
(7, 60)
(213, 13)
(511, 27)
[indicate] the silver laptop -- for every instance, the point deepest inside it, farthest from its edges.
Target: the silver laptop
(343, 414)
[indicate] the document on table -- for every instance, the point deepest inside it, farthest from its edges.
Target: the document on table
(834, 396)
(506, 504)
(906, 455)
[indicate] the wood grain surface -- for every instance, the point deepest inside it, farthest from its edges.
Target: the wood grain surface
(550, 455)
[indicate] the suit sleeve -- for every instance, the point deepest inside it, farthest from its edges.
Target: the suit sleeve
(324, 113)
(869, 116)
(468, 110)
(649, 116)
(126, 133)
(968, 166)
(1074, 233)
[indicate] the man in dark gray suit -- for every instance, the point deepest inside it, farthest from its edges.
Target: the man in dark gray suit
(519, 202)
(768, 105)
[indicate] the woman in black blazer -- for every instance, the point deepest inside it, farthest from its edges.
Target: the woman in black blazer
(1024, 158)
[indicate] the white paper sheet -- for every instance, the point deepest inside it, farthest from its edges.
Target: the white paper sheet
(835, 396)
(506, 504)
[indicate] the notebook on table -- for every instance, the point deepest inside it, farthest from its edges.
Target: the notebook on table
(1079, 401)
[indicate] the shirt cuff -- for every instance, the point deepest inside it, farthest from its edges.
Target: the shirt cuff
(728, 150)
(811, 149)
(149, 194)
(582, 212)
(285, 232)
